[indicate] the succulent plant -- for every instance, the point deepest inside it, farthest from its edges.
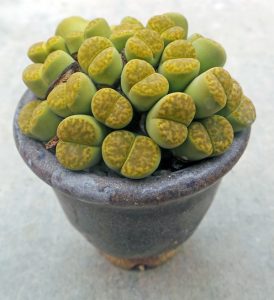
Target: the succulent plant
(36, 120)
(97, 27)
(72, 30)
(211, 136)
(80, 139)
(209, 52)
(171, 26)
(209, 91)
(55, 64)
(71, 24)
(56, 43)
(142, 85)
(122, 32)
(145, 44)
(72, 97)
(99, 58)
(132, 156)
(179, 64)
(167, 121)
(111, 108)
(168, 93)
(38, 52)
(243, 115)
(34, 80)
(74, 40)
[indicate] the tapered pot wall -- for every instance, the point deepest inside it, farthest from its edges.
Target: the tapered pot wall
(138, 232)
(133, 222)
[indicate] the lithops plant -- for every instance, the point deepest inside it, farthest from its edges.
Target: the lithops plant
(80, 139)
(209, 91)
(72, 30)
(38, 52)
(142, 85)
(55, 64)
(122, 32)
(146, 44)
(134, 98)
(179, 64)
(167, 121)
(36, 120)
(211, 136)
(100, 60)
(209, 52)
(171, 26)
(38, 77)
(243, 115)
(111, 108)
(72, 97)
(97, 27)
(133, 156)
(34, 80)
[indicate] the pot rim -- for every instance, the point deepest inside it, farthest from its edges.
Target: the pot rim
(153, 190)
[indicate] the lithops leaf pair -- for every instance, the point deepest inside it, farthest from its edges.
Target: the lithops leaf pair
(133, 156)
(142, 85)
(146, 44)
(72, 30)
(111, 108)
(72, 97)
(122, 32)
(179, 64)
(211, 136)
(100, 60)
(171, 26)
(210, 91)
(38, 77)
(168, 119)
(80, 139)
(239, 109)
(38, 52)
(36, 120)
(209, 52)
(97, 27)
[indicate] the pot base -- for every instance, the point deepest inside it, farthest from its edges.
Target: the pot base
(140, 263)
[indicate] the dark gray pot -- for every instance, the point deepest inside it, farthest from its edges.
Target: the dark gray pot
(133, 222)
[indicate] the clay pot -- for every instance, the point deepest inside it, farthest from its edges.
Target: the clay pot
(134, 223)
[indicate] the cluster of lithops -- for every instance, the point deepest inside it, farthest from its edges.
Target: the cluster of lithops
(127, 95)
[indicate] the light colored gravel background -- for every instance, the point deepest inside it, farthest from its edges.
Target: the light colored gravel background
(231, 255)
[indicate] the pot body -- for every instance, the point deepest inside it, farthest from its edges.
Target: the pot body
(138, 232)
(133, 222)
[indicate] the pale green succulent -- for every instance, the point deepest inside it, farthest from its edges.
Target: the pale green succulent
(100, 60)
(209, 52)
(132, 156)
(80, 139)
(122, 32)
(145, 44)
(211, 136)
(167, 121)
(210, 91)
(179, 64)
(142, 85)
(111, 108)
(36, 120)
(171, 26)
(72, 97)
